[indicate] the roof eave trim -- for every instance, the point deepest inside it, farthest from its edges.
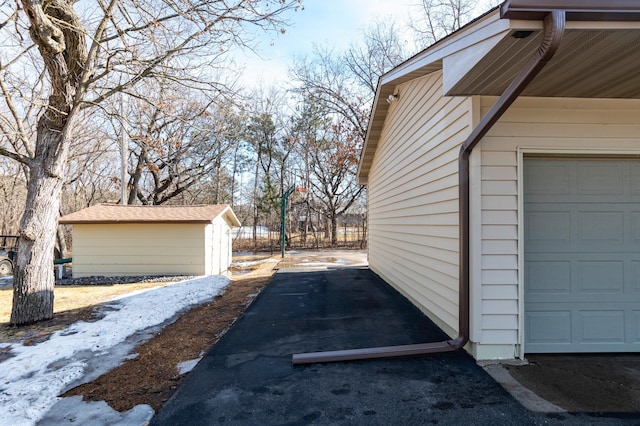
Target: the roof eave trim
(140, 221)
(431, 57)
(576, 10)
(231, 216)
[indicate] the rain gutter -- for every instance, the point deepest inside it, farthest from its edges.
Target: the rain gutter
(554, 25)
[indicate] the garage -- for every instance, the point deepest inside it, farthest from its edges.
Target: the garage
(536, 103)
(581, 254)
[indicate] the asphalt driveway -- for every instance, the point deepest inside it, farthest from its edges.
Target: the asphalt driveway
(248, 378)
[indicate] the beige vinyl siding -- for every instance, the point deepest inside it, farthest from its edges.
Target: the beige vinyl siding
(211, 256)
(138, 249)
(562, 125)
(217, 244)
(413, 197)
(224, 244)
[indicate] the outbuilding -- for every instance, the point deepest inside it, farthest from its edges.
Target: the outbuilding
(114, 240)
(503, 174)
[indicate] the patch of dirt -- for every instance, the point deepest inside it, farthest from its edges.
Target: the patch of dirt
(32, 334)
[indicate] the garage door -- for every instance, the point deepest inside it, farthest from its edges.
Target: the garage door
(582, 255)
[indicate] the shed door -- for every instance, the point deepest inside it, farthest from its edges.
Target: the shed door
(582, 255)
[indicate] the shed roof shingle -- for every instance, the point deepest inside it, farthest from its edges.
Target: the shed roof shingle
(115, 213)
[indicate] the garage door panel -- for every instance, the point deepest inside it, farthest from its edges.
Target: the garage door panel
(600, 329)
(601, 326)
(578, 230)
(635, 226)
(548, 227)
(601, 226)
(601, 277)
(547, 179)
(582, 255)
(548, 327)
(634, 178)
(634, 327)
(549, 276)
(597, 178)
(635, 285)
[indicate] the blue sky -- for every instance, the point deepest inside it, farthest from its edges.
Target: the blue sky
(337, 23)
(325, 22)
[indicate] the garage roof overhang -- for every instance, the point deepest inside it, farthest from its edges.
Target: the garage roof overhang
(119, 214)
(598, 58)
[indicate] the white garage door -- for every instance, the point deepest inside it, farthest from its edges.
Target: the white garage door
(582, 255)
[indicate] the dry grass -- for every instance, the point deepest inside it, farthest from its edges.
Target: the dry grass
(68, 298)
(75, 297)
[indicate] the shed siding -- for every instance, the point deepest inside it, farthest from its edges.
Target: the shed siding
(561, 124)
(138, 249)
(413, 197)
(218, 246)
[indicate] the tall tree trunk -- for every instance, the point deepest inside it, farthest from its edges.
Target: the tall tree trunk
(134, 181)
(33, 276)
(61, 242)
(255, 208)
(61, 40)
(334, 230)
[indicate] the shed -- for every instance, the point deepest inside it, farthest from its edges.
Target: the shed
(113, 240)
(503, 173)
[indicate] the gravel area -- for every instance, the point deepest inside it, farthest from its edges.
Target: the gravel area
(101, 280)
(6, 281)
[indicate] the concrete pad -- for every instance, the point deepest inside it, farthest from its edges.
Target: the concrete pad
(248, 377)
(304, 260)
(525, 396)
(592, 383)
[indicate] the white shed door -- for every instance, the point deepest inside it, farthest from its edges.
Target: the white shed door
(582, 255)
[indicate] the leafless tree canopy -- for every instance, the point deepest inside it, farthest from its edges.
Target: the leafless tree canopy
(63, 57)
(435, 19)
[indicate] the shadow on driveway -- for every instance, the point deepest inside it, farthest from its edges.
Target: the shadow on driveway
(248, 378)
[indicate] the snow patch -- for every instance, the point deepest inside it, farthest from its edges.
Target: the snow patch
(244, 264)
(187, 366)
(75, 411)
(32, 379)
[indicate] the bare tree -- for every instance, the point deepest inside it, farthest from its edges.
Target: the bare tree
(337, 90)
(85, 56)
(177, 145)
(13, 188)
(381, 50)
(435, 19)
(345, 82)
(326, 80)
(334, 162)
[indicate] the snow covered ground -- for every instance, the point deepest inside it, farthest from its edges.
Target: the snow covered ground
(32, 377)
(248, 263)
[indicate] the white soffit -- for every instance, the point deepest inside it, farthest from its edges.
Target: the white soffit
(595, 60)
(459, 64)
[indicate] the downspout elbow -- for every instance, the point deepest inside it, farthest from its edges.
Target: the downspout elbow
(459, 342)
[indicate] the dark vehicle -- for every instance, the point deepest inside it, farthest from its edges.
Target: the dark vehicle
(8, 250)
